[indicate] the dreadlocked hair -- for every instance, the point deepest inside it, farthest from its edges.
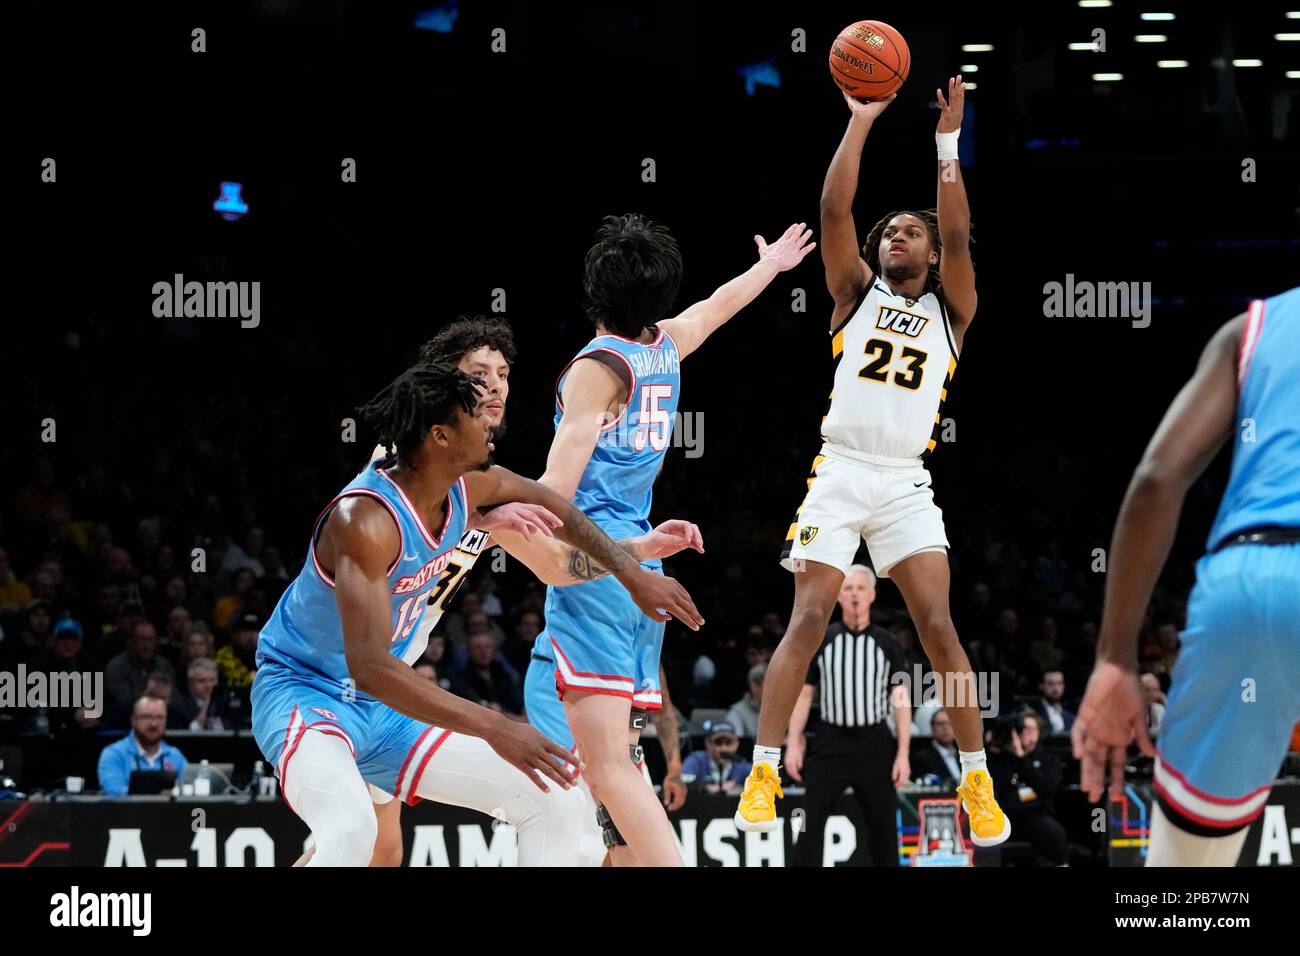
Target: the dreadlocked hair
(407, 407)
(871, 246)
(469, 333)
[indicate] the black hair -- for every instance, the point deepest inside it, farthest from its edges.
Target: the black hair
(632, 275)
(930, 218)
(407, 407)
(469, 333)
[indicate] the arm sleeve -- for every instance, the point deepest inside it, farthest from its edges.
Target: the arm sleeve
(114, 773)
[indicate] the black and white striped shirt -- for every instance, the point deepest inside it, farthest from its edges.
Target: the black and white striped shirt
(852, 674)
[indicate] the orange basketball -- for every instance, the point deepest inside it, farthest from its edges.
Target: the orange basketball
(870, 60)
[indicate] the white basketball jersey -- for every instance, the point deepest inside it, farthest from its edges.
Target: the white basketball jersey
(894, 360)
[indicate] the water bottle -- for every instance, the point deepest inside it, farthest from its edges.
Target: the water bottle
(203, 782)
(255, 785)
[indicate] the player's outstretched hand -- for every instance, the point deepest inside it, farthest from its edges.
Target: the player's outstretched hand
(951, 109)
(660, 597)
(522, 746)
(526, 519)
(788, 251)
(868, 109)
(668, 538)
(1112, 715)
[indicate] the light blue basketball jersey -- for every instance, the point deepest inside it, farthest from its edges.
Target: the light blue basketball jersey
(615, 489)
(305, 633)
(1264, 488)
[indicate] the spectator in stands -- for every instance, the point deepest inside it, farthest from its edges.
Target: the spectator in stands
(939, 758)
(1026, 780)
(1044, 650)
(518, 651)
(14, 595)
(199, 642)
(435, 652)
(485, 679)
(238, 659)
(198, 707)
(160, 685)
(113, 641)
(127, 674)
(108, 598)
(176, 629)
(480, 623)
(1049, 704)
(32, 637)
(1161, 652)
(236, 600)
(64, 655)
(743, 714)
(455, 621)
(427, 671)
(142, 749)
(718, 766)
(1155, 702)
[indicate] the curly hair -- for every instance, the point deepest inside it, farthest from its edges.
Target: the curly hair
(469, 333)
(407, 407)
(871, 246)
(632, 274)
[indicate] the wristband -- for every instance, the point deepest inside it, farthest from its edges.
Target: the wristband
(947, 143)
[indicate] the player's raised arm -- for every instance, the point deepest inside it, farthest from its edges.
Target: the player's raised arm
(692, 326)
(1197, 424)
(360, 539)
(847, 273)
(590, 390)
(654, 594)
(956, 271)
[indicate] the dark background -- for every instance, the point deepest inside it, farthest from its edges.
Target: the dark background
(479, 171)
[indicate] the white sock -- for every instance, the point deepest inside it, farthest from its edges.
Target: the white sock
(973, 760)
(767, 755)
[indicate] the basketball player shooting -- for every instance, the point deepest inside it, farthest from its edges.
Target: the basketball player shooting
(902, 308)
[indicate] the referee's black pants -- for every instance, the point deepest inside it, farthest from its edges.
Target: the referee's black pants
(839, 758)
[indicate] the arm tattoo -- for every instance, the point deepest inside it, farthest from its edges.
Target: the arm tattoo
(583, 568)
(666, 728)
(581, 532)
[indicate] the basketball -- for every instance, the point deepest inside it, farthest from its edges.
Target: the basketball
(870, 60)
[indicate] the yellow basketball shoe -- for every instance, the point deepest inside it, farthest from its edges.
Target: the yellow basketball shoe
(989, 826)
(757, 813)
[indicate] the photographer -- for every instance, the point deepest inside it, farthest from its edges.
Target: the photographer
(1025, 780)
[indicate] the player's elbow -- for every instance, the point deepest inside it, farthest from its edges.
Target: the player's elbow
(1156, 478)
(834, 208)
(367, 671)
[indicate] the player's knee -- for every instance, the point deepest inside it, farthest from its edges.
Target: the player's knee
(360, 830)
(808, 624)
(345, 840)
(388, 851)
(936, 627)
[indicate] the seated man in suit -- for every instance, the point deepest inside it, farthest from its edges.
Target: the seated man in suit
(1050, 706)
(939, 756)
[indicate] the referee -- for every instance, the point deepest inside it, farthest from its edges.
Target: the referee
(852, 745)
